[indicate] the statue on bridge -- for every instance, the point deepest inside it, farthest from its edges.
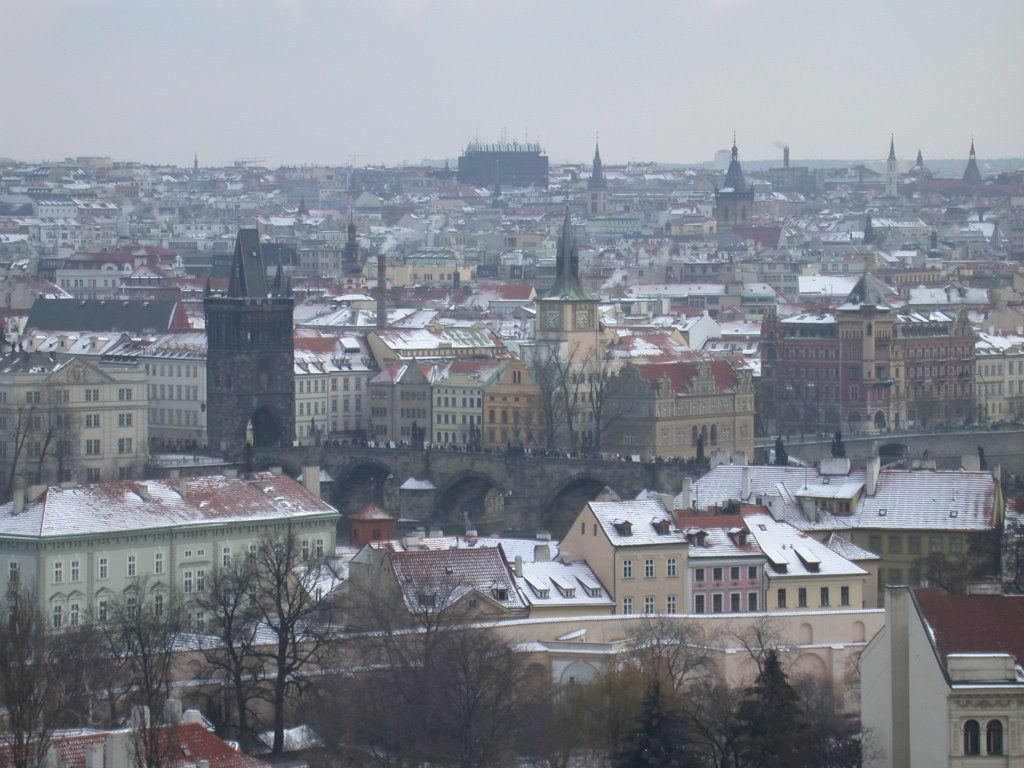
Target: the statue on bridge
(838, 449)
(700, 448)
(781, 455)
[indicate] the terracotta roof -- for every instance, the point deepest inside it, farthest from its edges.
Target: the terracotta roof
(371, 512)
(974, 623)
(196, 743)
(452, 573)
(681, 374)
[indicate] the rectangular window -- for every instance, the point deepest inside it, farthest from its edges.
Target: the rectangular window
(225, 557)
(92, 447)
(74, 615)
(875, 544)
(627, 569)
(716, 574)
(734, 602)
(698, 604)
(914, 545)
(752, 601)
(627, 606)
(131, 566)
(158, 605)
(76, 572)
(124, 419)
(752, 573)
(58, 573)
(734, 573)
(124, 445)
(57, 615)
(158, 562)
(101, 610)
(956, 545)
(12, 572)
(670, 604)
(200, 580)
(319, 547)
(124, 393)
(103, 568)
(649, 568)
(186, 582)
(305, 549)
(895, 545)
(801, 597)
(935, 544)
(698, 575)
(844, 595)
(716, 603)
(670, 567)
(648, 604)
(824, 596)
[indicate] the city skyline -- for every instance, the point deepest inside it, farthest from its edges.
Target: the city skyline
(281, 82)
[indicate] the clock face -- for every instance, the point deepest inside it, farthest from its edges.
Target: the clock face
(582, 320)
(552, 320)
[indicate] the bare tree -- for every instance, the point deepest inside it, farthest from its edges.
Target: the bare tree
(232, 616)
(22, 419)
(758, 640)
(29, 678)
(673, 650)
(142, 633)
(545, 374)
(286, 582)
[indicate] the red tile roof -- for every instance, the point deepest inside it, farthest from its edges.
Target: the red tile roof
(681, 374)
(974, 623)
(371, 512)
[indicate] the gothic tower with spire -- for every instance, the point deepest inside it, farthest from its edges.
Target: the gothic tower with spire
(567, 317)
(971, 173)
(351, 261)
(597, 187)
(734, 202)
(250, 384)
(892, 171)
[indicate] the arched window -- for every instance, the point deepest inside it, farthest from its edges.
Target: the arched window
(972, 738)
(714, 434)
(994, 737)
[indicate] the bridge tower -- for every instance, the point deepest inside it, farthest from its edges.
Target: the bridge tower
(250, 385)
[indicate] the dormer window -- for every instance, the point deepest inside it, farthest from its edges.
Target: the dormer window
(624, 527)
(500, 594)
(427, 599)
(661, 527)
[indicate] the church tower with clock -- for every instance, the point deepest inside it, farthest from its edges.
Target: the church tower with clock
(567, 316)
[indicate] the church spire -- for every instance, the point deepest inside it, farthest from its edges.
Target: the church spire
(734, 176)
(892, 147)
(567, 265)
(597, 180)
(972, 174)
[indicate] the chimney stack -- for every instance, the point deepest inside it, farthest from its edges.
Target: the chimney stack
(94, 756)
(19, 496)
(785, 157)
(873, 467)
(115, 751)
(541, 553)
(686, 495)
(382, 289)
(519, 566)
(745, 490)
(311, 479)
(172, 712)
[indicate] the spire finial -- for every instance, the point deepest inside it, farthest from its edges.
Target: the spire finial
(735, 151)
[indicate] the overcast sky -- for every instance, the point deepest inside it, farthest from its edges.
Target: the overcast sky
(386, 81)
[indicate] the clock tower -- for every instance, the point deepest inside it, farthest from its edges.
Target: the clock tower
(567, 316)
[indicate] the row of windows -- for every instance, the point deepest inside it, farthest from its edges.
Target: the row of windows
(650, 567)
(824, 597)
(173, 392)
(175, 370)
(914, 542)
(671, 605)
(700, 602)
(718, 573)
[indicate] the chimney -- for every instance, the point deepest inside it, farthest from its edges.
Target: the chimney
(230, 473)
(143, 491)
(182, 487)
(192, 717)
(873, 467)
(785, 157)
(115, 751)
(94, 756)
(541, 553)
(970, 462)
(382, 289)
(775, 506)
(19, 497)
(810, 509)
(436, 533)
(311, 479)
(745, 482)
(519, 566)
(686, 495)
(172, 712)
(34, 492)
(543, 536)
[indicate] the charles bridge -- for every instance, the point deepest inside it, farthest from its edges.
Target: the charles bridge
(1002, 446)
(506, 490)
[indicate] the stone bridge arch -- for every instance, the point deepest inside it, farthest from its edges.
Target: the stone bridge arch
(562, 505)
(362, 481)
(473, 493)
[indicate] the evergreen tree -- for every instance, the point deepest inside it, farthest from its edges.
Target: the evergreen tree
(657, 741)
(771, 720)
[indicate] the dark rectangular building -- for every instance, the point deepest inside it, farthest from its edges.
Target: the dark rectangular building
(508, 164)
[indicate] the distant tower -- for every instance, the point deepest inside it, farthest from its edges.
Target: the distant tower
(734, 203)
(250, 384)
(597, 186)
(971, 173)
(382, 291)
(195, 163)
(351, 264)
(892, 171)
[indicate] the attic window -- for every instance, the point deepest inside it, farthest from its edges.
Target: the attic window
(624, 527)
(500, 594)
(762, 526)
(661, 527)
(953, 513)
(883, 512)
(427, 599)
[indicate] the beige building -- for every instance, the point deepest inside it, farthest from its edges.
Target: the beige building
(941, 682)
(71, 419)
(636, 551)
(999, 377)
